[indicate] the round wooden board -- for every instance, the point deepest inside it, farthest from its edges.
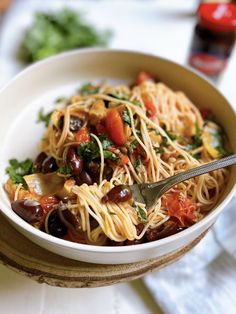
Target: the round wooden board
(29, 259)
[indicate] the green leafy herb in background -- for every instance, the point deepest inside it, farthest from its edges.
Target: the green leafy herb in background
(52, 33)
(18, 169)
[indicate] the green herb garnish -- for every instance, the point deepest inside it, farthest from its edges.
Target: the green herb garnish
(60, 100)
(138, 162)
(90, 151)
(89, 89)
(105, 141)
(164, 143)
(221, 140)
(111, 213)
(138, 132)
(197, 156)
(117, 96)
(66, 169)
(223, 152)
(133, 145)
(44, 117)
(196, 140)
(142, 215)
(170, 134)
(110, 155)
(137, 103)
(18, 169)
(126, 117)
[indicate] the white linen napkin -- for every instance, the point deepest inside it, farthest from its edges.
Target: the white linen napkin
(204, 281)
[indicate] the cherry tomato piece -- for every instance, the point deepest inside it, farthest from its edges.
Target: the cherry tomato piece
(115, 127)
(82, 136)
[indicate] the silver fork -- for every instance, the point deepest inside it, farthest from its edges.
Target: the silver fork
(149, 193)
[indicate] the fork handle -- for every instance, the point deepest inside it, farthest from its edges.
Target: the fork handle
(180, 177)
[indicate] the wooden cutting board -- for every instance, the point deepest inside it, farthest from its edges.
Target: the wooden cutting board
(29, 259)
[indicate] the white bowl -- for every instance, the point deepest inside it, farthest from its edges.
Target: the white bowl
(41, 83)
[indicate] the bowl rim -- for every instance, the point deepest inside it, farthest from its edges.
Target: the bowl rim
(15, 219)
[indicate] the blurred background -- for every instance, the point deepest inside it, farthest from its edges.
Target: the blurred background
(31, 30)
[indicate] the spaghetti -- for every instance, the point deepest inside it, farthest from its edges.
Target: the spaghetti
(106, 138)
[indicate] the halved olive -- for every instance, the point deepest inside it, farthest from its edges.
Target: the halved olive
(118, 194)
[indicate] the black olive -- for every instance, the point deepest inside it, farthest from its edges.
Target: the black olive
(94, 170)
(39, 161)
(106, 102)
(118, 194)
(107, 173)
(167, 229)
(49, 165)
(75, 123)
(55, 225)
(83, 177)
(72, 220)
(29, 210)
(74, 161)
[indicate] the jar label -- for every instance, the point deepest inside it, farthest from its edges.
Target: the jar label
(208, 64)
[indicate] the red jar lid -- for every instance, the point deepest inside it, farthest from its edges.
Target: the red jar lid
(218, 16)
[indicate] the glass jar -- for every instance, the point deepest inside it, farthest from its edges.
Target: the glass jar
(214, 38)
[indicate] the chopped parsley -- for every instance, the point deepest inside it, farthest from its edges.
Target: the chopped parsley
(164, 143)
(120, 97)
(197, 156)
(138, 162)
(89, 89)
(223, 152)
(196, 140)
(44, 117)
(170, 134)
(142, 215)
(66, 169)
(133, 145)
(126, 117)
(90, 151)
(110, 155)
(111, 213)
(18, 169)
(137, 103)
(105, 141)
(138, 132)
(60, 100)
(221, 147)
